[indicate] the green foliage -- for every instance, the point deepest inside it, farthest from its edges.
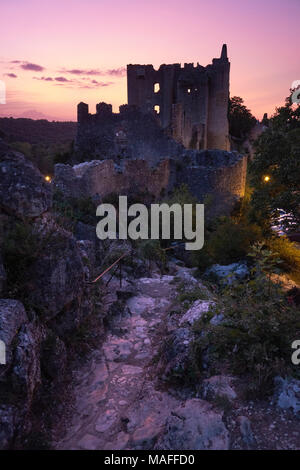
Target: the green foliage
(277, 155)
(255, 337)
(226, 241)
(188, 296)
(21, 248)
(241, 121)
(152, 251)
(69, 211)
(287, 251)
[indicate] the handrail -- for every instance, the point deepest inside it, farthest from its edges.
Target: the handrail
(109, 268)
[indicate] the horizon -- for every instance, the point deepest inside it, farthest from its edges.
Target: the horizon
(59, 63)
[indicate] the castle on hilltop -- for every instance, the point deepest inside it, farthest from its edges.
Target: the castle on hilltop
(173, 131)
(191, 102)
(187, 105)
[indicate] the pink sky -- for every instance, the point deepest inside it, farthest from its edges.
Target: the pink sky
(74, 50)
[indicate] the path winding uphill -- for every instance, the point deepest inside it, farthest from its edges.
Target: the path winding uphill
(117, 405)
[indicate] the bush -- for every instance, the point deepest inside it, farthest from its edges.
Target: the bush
(227, 242)
(287, 252)
(255, 337)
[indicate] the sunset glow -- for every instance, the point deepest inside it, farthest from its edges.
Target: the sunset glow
(56, 54)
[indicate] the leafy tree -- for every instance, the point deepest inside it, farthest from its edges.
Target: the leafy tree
(241, 121)
(275, 170)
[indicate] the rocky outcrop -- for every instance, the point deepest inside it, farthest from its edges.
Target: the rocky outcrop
(229, 273)
(195, 425)
(23, 190)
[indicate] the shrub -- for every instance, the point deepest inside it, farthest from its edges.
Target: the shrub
(227, 242)
(255, 337)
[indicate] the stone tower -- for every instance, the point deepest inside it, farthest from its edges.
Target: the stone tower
(191, 102)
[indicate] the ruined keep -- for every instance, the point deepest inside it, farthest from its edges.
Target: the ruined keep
(150, 149)
(191, 102)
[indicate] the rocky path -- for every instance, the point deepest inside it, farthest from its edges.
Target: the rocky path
(117, 406)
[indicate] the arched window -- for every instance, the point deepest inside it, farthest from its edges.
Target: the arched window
(157, 108)
(156, 87)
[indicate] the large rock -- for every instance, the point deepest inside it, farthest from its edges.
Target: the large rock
(195, 425)
(23, 190)
(26, 370)
(218, 386)
(287, 394)
(176, 357)
(227, 274)
(196, 311)
(12, 317)
(57, 277)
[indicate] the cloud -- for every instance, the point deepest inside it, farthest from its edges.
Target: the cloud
(46, 79)
(62, 79)
(11, 75)
(119, 72)
(82, 72)
(32, 67)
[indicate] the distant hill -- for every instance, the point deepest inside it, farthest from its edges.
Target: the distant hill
(38, 131)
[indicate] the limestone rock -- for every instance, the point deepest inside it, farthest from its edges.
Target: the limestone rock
(195, 425)
(23, 190)
(57, 277)
(12, 317)
(287, 394)
(218, 386)
(228, 273)
(246, 432)
(196, 311)
(8, 425)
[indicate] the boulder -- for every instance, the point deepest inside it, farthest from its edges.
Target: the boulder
(26, 374)
(12, 317)
(218, 386)
(287, 394)
(195, 312)
(176, 359)
(194, 425)
(57, 277)
(228, 274)
(23, 190)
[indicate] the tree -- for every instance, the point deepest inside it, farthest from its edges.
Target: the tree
(275, 170)
(241, 121)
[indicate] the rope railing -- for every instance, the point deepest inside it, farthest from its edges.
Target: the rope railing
(109, 268)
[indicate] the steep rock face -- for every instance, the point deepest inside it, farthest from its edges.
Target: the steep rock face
(23, 190)
(57, 277)
(53, 288)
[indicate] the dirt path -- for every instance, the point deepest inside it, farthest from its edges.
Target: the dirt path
(117, 406)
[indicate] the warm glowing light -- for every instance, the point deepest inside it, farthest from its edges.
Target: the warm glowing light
(266, 179)
(48, 178)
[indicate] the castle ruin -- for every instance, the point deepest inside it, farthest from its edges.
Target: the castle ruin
(173, 130)
(191, 102)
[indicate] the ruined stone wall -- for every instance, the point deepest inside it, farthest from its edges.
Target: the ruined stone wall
(218, 174)
(105, 177)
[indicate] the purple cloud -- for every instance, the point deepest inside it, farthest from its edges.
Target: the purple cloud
(62, 79)
(32, 67)
(11, 75)
(120, 72)
(46, 79)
